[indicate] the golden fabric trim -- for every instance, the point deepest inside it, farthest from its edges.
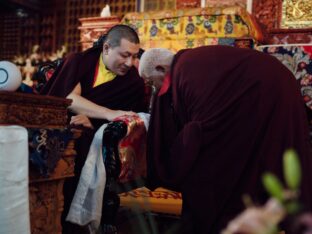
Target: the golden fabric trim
(296, 14)
(193, 24)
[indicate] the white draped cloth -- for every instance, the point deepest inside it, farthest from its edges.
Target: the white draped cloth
(14, 198)
(86, 207)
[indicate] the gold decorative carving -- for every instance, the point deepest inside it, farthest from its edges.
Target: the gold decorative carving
(46, 194)
(181, 4)
(296, 14)
(155, 5)
(31, 110)
(267, 13)
(216, 3)
(282, 28)
(31, 115)
(46, 206)
(94, 27)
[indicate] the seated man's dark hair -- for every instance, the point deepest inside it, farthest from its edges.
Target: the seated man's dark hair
(121, 31)
(99, 42)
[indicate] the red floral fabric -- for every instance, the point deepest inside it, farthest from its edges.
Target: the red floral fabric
(132, 150)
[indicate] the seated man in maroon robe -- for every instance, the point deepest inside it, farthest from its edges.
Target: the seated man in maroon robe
(222, 118)
(103, 84)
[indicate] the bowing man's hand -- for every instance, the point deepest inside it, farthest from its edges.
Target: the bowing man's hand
(81, 120)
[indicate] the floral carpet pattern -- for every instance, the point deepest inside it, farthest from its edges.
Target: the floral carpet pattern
(298, 59)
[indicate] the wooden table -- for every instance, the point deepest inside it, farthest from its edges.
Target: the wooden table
(46, 192)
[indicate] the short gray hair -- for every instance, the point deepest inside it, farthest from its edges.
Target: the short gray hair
(153, 58)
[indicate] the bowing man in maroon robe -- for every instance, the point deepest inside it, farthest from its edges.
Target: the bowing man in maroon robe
(103, 84)
(222, 118)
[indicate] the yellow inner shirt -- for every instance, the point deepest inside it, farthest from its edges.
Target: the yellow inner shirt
(103, 74)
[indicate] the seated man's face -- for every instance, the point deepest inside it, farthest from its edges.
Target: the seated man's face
(121, 58)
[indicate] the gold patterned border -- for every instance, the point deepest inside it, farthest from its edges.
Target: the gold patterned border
(154, 5)
(296, 14)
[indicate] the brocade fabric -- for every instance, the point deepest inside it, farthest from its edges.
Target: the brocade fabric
(193, 27)
(298, 59)
(46, 147)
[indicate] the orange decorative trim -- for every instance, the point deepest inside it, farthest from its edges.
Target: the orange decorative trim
(160, 200)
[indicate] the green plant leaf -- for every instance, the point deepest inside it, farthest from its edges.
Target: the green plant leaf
(292, 207)
(273, 186)
(292, 169)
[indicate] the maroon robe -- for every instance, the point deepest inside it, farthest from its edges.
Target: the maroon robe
(227, 118)
(122, 93)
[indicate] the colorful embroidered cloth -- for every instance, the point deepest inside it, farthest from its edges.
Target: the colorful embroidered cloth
(188, 28)
(298, 59)
(132, 149)
(46, 147)
(160, 200)
(132, 155)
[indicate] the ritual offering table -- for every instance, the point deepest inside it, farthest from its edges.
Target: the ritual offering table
(51, 153)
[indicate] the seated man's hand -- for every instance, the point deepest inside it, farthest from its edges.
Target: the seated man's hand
(117, 113)
(81, 120)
